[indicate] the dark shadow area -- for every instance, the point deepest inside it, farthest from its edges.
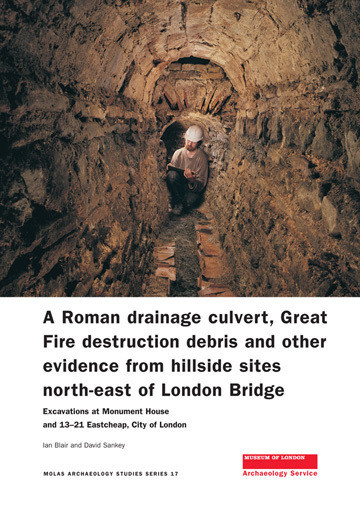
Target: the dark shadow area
(194, 61)
(173, 139)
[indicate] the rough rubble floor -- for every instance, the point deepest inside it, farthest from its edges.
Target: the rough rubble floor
(188, 260)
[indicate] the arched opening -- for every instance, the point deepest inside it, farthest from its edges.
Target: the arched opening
(216, 141)
(173, 138)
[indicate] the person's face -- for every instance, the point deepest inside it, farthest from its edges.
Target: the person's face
(190, 146)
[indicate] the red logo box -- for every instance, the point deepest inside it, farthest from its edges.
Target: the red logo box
(280, 461)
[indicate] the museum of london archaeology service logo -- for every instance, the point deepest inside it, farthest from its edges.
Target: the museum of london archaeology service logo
(280, 465)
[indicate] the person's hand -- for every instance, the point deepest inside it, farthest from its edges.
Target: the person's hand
(190, 175)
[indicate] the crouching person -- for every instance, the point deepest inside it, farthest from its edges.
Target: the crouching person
(187, 173)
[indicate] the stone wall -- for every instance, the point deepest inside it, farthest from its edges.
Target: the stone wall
(289, 202)
(81, 198)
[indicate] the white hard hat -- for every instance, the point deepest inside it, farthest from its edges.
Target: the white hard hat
(194, 134)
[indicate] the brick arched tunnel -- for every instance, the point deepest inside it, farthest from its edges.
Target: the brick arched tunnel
(93, 93)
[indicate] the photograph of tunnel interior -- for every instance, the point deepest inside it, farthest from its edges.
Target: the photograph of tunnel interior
(96, 96)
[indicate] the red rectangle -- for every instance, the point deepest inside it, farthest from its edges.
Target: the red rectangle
(280, 461)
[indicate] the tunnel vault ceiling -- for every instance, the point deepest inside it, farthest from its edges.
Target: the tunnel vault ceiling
(88, 90)
(102, 45)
